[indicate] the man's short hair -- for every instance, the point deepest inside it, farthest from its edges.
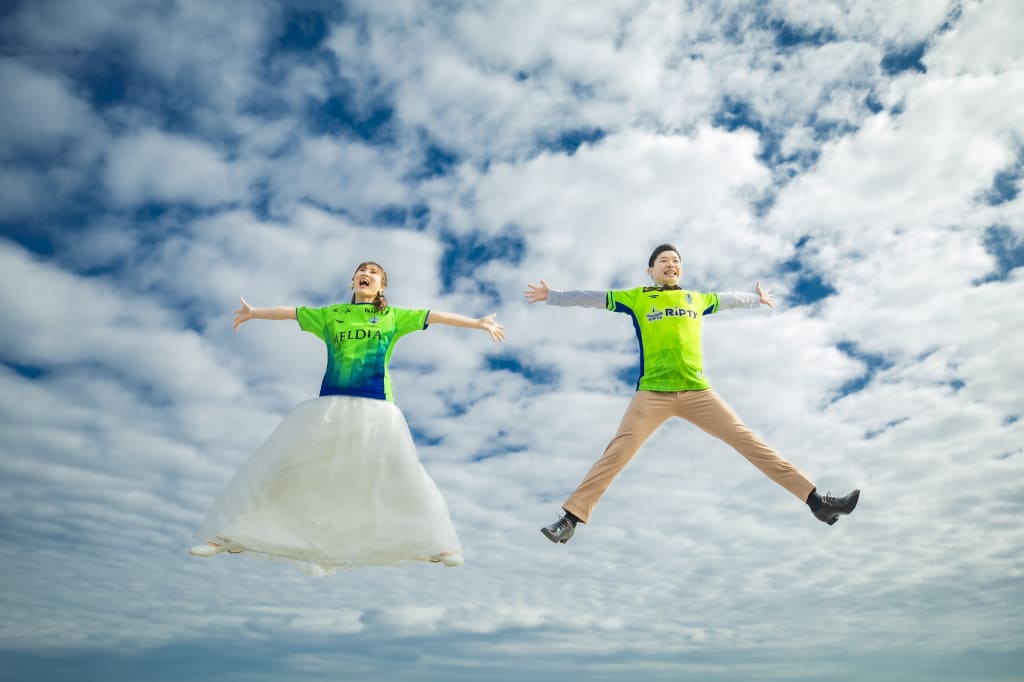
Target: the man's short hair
(659, 249)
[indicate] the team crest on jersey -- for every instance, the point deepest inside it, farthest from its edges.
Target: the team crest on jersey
(374, 320)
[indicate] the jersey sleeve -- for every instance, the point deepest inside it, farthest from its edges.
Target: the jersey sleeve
(622, 300)
(312, 320)
(709, 302)
(407, 320)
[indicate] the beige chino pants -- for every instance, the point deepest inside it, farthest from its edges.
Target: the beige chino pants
(648, 411)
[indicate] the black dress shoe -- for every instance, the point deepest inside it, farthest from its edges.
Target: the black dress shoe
(833, 507)
(559, 531)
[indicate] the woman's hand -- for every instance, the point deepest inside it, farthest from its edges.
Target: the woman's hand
(491, 326)
(536, 292)
(243, 314)
(765, 294)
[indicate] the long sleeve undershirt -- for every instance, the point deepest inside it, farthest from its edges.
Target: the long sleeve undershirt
(599, 299)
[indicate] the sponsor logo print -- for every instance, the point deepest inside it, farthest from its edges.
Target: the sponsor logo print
(356, 335)
(656, 314)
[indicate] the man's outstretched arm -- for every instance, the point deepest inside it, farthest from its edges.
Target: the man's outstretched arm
(586, 299)
(743, 299)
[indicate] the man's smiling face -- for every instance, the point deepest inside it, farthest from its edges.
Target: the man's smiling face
(667, 269)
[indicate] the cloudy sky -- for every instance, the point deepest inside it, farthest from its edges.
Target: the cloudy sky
(862, 158)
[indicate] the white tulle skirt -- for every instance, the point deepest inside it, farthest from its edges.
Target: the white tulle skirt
(338, 484)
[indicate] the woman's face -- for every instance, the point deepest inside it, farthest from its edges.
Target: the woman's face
(368, 280)
(667, 269)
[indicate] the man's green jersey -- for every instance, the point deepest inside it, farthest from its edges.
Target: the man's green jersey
(668, 329)
(359, 341)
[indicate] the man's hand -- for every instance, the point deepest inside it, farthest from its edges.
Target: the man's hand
(536, 292)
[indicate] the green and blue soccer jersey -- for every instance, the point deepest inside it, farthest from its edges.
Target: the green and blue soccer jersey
(359, 342)
(668, 329)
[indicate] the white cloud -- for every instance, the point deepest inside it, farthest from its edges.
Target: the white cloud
(59, 320)
(41, 114)
(982, 42)
(627, 194)
(343, 174)
(155, 166)
(902, 25)
(922, 169)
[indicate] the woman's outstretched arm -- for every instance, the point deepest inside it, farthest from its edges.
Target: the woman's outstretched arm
(247, 312)
(488, 323)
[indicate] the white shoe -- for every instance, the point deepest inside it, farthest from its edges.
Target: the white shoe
(449, 559)
(215, 547)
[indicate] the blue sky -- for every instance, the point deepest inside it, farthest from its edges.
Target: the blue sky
(864, 160)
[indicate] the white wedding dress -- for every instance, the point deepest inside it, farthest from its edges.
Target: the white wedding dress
(337, 484)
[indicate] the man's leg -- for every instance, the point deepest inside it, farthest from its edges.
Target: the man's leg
(706, 410)
(646, 412)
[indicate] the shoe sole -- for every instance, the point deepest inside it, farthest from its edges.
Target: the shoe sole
(448, 560)
(203, 553)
